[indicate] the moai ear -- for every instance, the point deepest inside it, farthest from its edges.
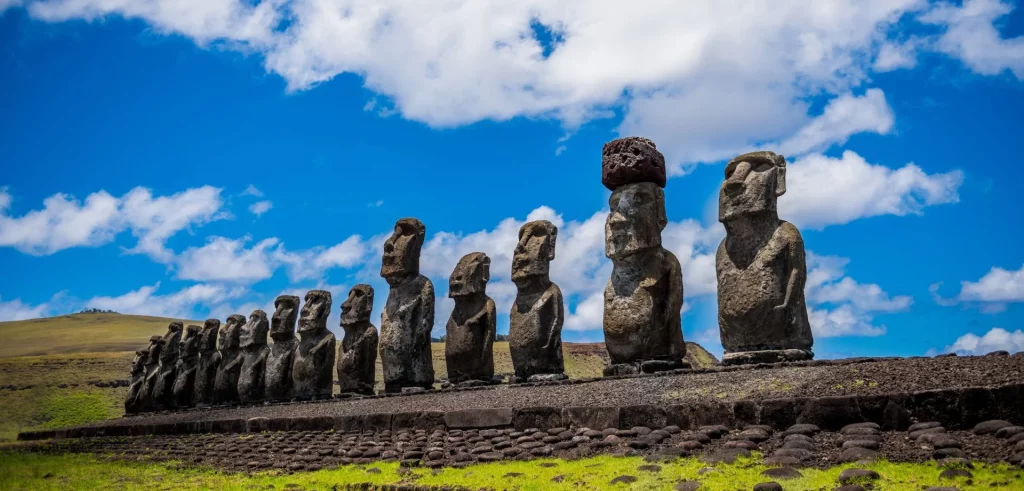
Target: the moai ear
(780, 181)
(486, 264)
(662, 214)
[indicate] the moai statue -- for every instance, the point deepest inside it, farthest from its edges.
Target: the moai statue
(357, 357)
(254, 358)
(138, 382)
(209, 362)
(535, 325)
(313, 369)
(761, 268)
(145, 399)
(278, 375)
(188, 365)
(163, 390)
(225, 385)
(469, 341)
(408, 315)
(642, 302)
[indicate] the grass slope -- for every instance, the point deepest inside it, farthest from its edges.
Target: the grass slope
(80, 333)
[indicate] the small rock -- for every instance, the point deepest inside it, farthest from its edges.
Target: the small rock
(687, 486)
(850, 487)
(650, 468)
(797, 437)
(854, 454)
(698, 437)
(869, 444)
(489, 457)
(802, 429)
(914, 435)
(923, 426)
(955, 463)
(715, 431)
(861, 430)
(756, 435)
(1019, 437)
(781, 473)
(942, 488)
(781, 461)
(690, 445)
(641, 430)
(939, 440)
(1017, 458)
(623, 480)
(1009, 431)
(672, 429)
(796, 453)
(768, 486)
(513, 474)
(850, 475)
(991, 426)
(744, 444)
(866, 424)
(558, 478)
(955, 473)
(945, 453)
(801, 444)
(725, 455)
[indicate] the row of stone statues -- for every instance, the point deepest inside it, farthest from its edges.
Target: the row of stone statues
(762, 315)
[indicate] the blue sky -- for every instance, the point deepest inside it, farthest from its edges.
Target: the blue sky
(197, 159)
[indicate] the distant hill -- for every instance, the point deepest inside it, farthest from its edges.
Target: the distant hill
(80, 333)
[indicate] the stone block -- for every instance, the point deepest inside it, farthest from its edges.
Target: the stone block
(642, 415)
(348, 424)
(681, 416)
(311, 423)
(228, 426)
(977, 404)
(595, 418)
(938, 405)
(1009, 401)
(746, 413)
(256, 425)
(781, 413)
(376, 422)
(542, 417)
(479, 418)
(830, 413)
(420, 420)
(714, 413)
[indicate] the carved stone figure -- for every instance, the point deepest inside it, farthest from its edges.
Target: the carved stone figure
(145, 398)
(535, 325)
(188, 364)
(138, 382)
(644, 297)
(209, 361)
(313, 369)
(282, 353)
(225, 385)
(163, 389)
(408, 315)
(469, 341)
(357, 357)
(254, 358)
(761, 267)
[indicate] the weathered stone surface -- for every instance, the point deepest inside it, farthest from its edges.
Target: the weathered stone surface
(163, 386)
(631, 160)
(408, 315)
(209, 361)
(186, 368)
(593, 417)
(278, 375)
(252, 377)
(137, 383)
(469, 341)
(642, 415)
(535, 324)
(313, 368)
(761, 267)
(831, 413)
(644, 296)
(537, 417)
(225, 385)
(479, 418)
(357, 356)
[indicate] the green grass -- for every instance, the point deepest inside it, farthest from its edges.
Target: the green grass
(75, 408)
(80, 471)
(80, 333)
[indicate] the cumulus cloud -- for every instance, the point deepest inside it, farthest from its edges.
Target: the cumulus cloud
(182, 304)
(996, 339)
(65, 222)
(16, 310)
(970, 35)
(260, 207)
(838, 305)
(895, 55)
(252, 191)
(998, 285)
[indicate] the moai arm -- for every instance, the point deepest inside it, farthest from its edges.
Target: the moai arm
(489, 313)
(235, 363)
(675, 287)
(426, 311)
(323, 344)
(796, 264)
(554, 302)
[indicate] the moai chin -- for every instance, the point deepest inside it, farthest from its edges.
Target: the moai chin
(209, 361)
(254, 357)
(535, 324)
(144, 400)
(188, 364)
(357, 357)
(644, 296)
(225, 385)
(761, 267)
(163, 390)
(408, 315)
(138, 381)
(313, 368)
(278, 374)
(469, 341)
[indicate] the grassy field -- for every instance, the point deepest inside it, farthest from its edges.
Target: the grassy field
(85, 472)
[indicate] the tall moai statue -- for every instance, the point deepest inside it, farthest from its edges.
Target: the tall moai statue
(313, 369)
(188, 365)
(132, 404)
(251, 378)
(225, 385)
(535, 324)
(469, 340)
(145, 398)
(209, 362)
(163, 390)
(761, 267)
(642, 302)
(357, 357)
(278, 375)
(408, 315)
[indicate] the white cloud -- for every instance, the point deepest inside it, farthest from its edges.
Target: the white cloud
(375, 204)
(844, 116)
(895, 55)
(260, 207)
(182, 304)
(995, 339)
(64, 222)
(971, 36)
(998, 285)
(16, 310)
(252, 191)
(223, 259)
(824, 191)
(838, 305)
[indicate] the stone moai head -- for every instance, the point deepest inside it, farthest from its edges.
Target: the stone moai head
(255, 331)
(171, 343)
(139, 362)
(190, 341)
(753, 183)
(535, 251)
(470, 276)
(402, 250)
(231, 333)
(208, 336)
(357, 307)
(286, 312)
(315, 310)
(156, 344)
(635, 172)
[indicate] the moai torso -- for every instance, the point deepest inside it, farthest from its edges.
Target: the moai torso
(188, 363)
(408, 315)
(312, 370)
(278, 372)
(357, 357)
(209, 361)
(138, 381)
(254, 358)
(535, 323)
(163, 389)
(225, 385)
(145, 398)
(469, 339)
